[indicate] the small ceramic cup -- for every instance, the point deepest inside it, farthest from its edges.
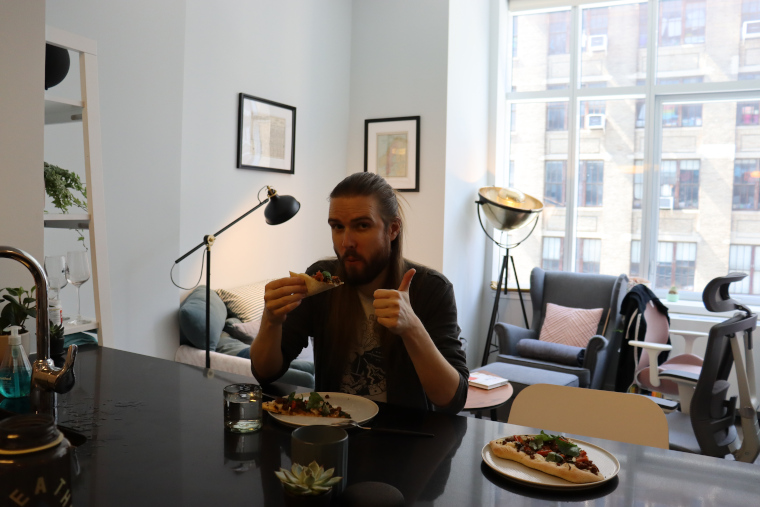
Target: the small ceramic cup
(326, 445)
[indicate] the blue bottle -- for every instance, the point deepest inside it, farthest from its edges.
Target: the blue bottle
(15, 370)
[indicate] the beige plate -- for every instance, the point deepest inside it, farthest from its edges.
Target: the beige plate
(361, 410)
(608, 465)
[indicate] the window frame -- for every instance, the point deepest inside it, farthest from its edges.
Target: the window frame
(753, 278)
(653, 95)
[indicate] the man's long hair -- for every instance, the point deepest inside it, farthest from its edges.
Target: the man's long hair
(346, 312)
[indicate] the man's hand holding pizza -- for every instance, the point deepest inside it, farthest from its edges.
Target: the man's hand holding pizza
(281, 297)
(394, 311)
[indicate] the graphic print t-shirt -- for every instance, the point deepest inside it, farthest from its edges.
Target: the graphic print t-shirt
(365, 375)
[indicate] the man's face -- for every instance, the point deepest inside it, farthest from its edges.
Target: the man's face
(361, 239)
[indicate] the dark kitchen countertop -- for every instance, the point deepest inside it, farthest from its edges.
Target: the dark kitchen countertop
(156, 437)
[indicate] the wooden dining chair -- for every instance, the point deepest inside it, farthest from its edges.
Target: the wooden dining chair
(622, 417)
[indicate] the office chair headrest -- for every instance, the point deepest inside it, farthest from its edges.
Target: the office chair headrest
(716, 297)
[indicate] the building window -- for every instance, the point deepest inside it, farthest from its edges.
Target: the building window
(511, 175)
(747, 113)
(588, 255)
(682, 22)
(638, 183)
(679, 180)
(682, 115)
(556, 116)
(592, 107)
(559, 33)
(643, 20)
(554, 193)
(676, 263)
(552, 254)
(590, 183)
(513, 118)
(641, 111)
(746, 185)
(745, 259)
(635, 258)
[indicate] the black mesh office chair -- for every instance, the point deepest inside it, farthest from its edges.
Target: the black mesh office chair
(709, 427)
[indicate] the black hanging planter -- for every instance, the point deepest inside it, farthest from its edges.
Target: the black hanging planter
(57, 64)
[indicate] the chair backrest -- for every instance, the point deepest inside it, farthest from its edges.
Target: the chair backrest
(578, 290)
(615, 416)
(658, 331)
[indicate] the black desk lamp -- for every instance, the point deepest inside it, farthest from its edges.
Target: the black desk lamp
(506, 209)
(281, 208)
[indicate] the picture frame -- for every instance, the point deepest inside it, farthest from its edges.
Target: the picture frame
(266, 135)
(392, 150)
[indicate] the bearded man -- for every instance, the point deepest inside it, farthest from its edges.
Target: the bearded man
(389, 333)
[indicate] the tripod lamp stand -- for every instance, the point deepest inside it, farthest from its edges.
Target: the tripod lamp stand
(506, 209)
(280, 209)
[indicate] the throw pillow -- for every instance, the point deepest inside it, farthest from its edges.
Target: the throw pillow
(244, 331)
(571, 326)
(551, 352)
(192, 318)
(246, 301)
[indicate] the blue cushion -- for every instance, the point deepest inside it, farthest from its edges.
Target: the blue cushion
(192, 318)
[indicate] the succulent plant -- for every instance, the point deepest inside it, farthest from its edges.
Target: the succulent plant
(310, 480)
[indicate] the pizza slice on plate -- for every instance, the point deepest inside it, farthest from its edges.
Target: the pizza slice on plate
(551, 454)
(314, 406)
(318, 282)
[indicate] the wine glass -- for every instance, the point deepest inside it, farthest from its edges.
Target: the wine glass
(78, 272)
(55, 268)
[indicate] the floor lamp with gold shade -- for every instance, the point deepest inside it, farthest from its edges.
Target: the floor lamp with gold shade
(506, 209)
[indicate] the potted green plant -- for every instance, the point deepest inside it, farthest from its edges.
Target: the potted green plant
(19, 305)
(59, 183)
(307, 486)
(673, 294)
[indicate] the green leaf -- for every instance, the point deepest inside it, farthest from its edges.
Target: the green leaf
(554, 457)
(568, 448)
(29, 300)
(315, 401)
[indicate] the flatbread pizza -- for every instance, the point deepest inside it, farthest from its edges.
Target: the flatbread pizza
(551, 454)
(313, 406)
(318, 282)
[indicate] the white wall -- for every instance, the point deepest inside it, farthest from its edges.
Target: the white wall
(295, 53)
(399, 68)
(140, 56)
(22, 78)
(467, 117)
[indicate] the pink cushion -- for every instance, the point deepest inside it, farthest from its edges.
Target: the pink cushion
(570, 326)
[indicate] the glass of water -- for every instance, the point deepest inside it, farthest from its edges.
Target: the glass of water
(242, 408)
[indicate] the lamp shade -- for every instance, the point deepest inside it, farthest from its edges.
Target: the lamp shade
(281, 208)
(505, 212)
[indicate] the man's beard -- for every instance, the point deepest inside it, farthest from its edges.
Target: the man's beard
(368, 270)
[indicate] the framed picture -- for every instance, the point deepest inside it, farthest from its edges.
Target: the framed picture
(392, 150)
(266, 135)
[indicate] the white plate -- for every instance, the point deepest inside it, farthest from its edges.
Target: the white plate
(607, 464)
(360, 409)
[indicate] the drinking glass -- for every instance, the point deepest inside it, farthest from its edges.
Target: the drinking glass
(242, 408)
(78, 272)
(55, 268)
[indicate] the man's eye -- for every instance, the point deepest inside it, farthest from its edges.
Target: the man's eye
(336, 227)
(364, 226)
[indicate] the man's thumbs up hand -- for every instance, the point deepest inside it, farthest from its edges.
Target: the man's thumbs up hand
(393, 309)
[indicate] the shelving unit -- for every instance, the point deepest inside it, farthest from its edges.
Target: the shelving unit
(87, 111)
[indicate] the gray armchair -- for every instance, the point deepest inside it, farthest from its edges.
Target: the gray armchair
(574, 290)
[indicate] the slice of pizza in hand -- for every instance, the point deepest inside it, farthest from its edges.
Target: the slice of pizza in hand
(318, 282)
(315, 406)
(551, 454)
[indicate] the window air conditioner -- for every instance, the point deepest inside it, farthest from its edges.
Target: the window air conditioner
(666, 202)
(751, 30)
(595, 121)
(597, 43)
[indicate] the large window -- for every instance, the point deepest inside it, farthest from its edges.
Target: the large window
(746, 185)
(679, 184)
(745, 259)
(624, 193)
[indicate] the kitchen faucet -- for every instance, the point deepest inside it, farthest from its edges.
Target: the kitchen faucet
(46, 378)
